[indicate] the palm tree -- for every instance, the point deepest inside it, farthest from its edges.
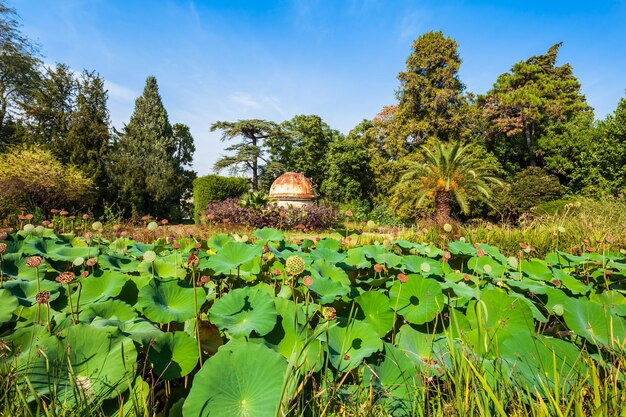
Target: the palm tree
(448, 173)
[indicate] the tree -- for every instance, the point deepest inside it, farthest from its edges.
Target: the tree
(449, 173)
(49, 111)
(184, 149)
(34, 178)
(246, 155)
(534, 96)
(19, 62)
(88, 139)
(348, 172)
(146, 163)
(431, 101)
(301, 147)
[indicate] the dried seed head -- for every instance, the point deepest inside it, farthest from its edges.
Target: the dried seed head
(33, 261)
(307, 280)
(91, 262)
(348, 213)
(3, 248)
(43, 297)
(403, 278)
(329, 313)
(65, 277)
(378, 268)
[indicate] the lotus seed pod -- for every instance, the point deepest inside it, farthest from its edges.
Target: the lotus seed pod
(40, 229)
(65, 277)
(329, 313)
(149, 256)
(561, 229)
(79, 261)
(447, 227)
(33, 261)
(42, 297)
(371, 224)
(487, 268)
(294, 265)
(425, 267)
(3, 248)
(97, 226)
(28, 228)
(403, 278)
(512, 261)
(152, 226)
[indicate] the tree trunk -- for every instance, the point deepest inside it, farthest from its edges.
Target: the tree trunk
(529, 132)
(255, 168)
(443, 200)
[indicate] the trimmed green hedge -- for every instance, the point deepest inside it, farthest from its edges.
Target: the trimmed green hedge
(215, 188)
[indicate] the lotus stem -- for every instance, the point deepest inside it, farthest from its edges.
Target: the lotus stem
(69, 300)
(195, 309)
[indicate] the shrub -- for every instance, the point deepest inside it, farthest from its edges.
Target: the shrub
(532, 187)
(34, 178)
(309, 217)
(212, 188)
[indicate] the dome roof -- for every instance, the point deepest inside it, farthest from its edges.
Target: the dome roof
(292, 185)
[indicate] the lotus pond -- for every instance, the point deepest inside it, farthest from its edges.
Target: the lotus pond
(260, 327)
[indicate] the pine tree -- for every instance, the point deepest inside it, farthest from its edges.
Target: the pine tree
(145, 168)
(431, 101)
(89, 136)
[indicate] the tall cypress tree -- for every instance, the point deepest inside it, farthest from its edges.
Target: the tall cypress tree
(145, 168)
(88, 138)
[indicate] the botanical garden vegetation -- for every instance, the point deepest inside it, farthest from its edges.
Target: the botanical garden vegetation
(466, 255)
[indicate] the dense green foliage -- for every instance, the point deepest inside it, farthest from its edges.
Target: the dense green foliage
(33, 177)
(213, 188)
(268, 326)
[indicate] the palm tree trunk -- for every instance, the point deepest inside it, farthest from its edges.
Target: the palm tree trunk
(443, 200)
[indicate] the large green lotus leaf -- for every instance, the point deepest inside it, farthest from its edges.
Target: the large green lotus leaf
(87, 362)
(328, 243)
(495, 317)
(537, 363)
(356, 258)
(232, 256)
(461, 248)
(556, 302)
(23, 344)
(14, 266)
(137, 249)
(163, 267)
(329, 255)
(537, 314)
(329, 281)
(26, 291)
(112, 309)
(173, 355)
(486, 265)
(245, 382)
(218, 241)
(8, 304)
(537, 269)
(243, 311)
(138, 329)
(396, 379)
(269, 234)
(293, 338)
(118, 262)
(571, 283)
(165, 301)
(57, 250)
(420, 248)
(423, 266)
(376, 311)
(461, 289)
(98, 287)
(613, 300)
(528, 285)
(422, 349)
(349, 343)
(595, 323)
(419, 300)
(493, 252)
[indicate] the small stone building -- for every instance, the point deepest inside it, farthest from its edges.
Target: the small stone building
(292, 189)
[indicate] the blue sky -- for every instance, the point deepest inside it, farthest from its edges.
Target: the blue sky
(235, 59)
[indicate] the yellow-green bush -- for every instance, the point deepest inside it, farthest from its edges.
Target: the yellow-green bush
(33, 178)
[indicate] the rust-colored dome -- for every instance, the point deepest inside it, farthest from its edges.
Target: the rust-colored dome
(292, 185)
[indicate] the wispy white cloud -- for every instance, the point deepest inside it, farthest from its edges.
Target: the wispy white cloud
(251, 102)
(411, 25)
(119, 92)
